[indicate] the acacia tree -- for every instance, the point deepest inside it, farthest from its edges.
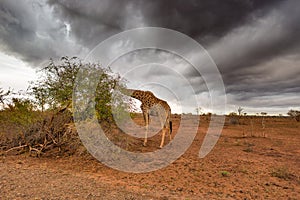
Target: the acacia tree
(198, 110)
(263, 114)
(55, 87)
(295, 114)
(240, 111)
(41, 95)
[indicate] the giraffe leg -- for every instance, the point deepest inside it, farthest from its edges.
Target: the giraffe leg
(163, 137)
(146, 117)
(146, 136)
(163, 126)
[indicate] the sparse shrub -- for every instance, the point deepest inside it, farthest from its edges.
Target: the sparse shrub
(225, 173)
(295, 114)
(15, 118)
(233, 118)
(248, 150)
(281, 172)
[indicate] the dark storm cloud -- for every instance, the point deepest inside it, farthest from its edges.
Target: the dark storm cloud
(37, 30)
(203, 20)
(29, 32)
(273, 35)
(92, 21)
(262, 56)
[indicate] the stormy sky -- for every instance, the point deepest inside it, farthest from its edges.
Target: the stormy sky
(255, 44)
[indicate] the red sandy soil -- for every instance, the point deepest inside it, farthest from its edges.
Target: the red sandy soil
(240, 166)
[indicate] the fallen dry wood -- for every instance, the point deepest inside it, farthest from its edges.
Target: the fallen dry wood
(14, 148)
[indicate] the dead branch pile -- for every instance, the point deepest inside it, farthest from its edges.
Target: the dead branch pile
(55, 134)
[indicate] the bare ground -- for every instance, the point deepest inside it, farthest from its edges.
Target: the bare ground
(242, 165)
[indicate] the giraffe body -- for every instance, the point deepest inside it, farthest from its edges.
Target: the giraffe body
(151, 102)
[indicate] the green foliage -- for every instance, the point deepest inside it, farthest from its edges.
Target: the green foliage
(17, 116)
(103, 94)
(40, 95)
(21, 112)
(97, 83)
(225, 173)
(55, 88)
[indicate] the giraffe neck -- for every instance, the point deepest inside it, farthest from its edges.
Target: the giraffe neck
(147, 98)
(143, 96)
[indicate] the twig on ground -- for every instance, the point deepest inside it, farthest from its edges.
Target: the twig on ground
(18, 147)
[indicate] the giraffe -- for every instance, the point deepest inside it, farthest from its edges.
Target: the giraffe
(150, 101)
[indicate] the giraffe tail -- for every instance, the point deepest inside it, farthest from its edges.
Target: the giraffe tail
(170, 123)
